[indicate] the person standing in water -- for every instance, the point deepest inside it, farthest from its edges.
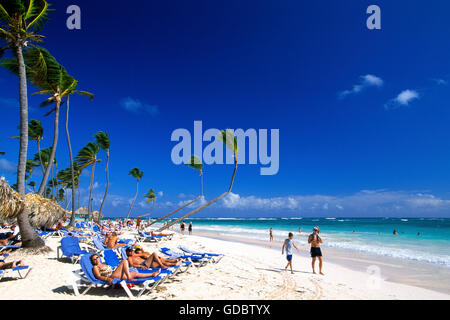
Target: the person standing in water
(270, 235)
(288, 244)
(315, 242)
(190, 228)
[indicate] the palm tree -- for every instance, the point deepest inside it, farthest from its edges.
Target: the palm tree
(149, 197)
(196, 164)
(20, 20)
(36, 133)
(88, 156)
(72, 168)
(65, 180)
(229, 139)
(137, 174)
(2, 153)
(102, 140)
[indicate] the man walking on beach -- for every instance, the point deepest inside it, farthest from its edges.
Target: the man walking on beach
(315, 242)
(288, 244)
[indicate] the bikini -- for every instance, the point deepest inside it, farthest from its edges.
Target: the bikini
(105, 271)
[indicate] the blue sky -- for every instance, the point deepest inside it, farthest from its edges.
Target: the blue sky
(363, 114)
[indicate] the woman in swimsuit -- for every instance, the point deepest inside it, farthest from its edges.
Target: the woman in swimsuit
(122, 272)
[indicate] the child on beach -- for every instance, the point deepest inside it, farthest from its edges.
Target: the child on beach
(288, 244)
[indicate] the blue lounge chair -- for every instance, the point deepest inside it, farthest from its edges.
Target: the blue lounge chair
(71, 248)
(86, 276)
(2, 248)
(216, 257)
(142, 237)
(21, 271)
(197, 260)
(98, 243)
(112, 259)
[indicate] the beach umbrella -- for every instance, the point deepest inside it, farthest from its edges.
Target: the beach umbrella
(41, 212)
(11, 203)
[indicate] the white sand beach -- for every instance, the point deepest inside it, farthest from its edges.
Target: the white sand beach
(246, 272)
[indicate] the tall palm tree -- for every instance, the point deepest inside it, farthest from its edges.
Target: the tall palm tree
(36, 133)
(88, 156)
(102, 139)
(20, 20)
(72, 167)
(46, 73)
(137, 174)
(43, 157)
(229, 139)
(196, 164)
(149, 197)
(65, 180)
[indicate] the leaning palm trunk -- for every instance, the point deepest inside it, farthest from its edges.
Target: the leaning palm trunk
(206, 204)
(131, 207)
(107, 184)
(72, 218)
(144, 215)
(184, 206)
(29, 238)
(40, 158)
(91, 187)
(52, 154)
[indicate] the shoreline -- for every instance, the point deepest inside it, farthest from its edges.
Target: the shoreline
(407, 272)
(248, 271)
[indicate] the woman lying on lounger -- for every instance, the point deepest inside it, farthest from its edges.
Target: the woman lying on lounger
(141, 259)
(122, 272)
(11, 265)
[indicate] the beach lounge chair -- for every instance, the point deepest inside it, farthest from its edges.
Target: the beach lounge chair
(21, 271)
(3, 248)
(86, 276)
(142, 237)
(197, 260)
(71, 248)
(111, 258)
(216, 257)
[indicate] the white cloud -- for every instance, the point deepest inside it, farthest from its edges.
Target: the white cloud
(136, 106)
(160, 194)
(7, 166)
(440, 82)
(366, 81)
(403, 99)
(365, 201)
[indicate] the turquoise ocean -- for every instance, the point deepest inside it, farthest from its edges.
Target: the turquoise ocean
(368, 235)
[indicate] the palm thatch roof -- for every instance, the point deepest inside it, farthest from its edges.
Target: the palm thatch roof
(42, 212)
(11, 203)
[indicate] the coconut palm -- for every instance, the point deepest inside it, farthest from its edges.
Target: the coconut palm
(65, 180)
(88, 156)
(196, 164)
(36, 133)
(20, 20)
(46, 73)
(149, 197)
(102, 140)
(137, 174)
(230, 140)
(72, 166)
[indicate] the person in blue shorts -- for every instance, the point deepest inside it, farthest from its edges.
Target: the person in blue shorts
(288, 244)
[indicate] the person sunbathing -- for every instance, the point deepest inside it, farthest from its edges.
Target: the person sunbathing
(122, 272)
(11, 265)
(145, 260)
(154, 234)
(111, 241)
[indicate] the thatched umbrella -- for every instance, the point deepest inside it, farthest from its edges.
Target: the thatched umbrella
(11, 203)
(42, 212)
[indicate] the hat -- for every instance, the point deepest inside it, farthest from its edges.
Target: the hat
(316, 229)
